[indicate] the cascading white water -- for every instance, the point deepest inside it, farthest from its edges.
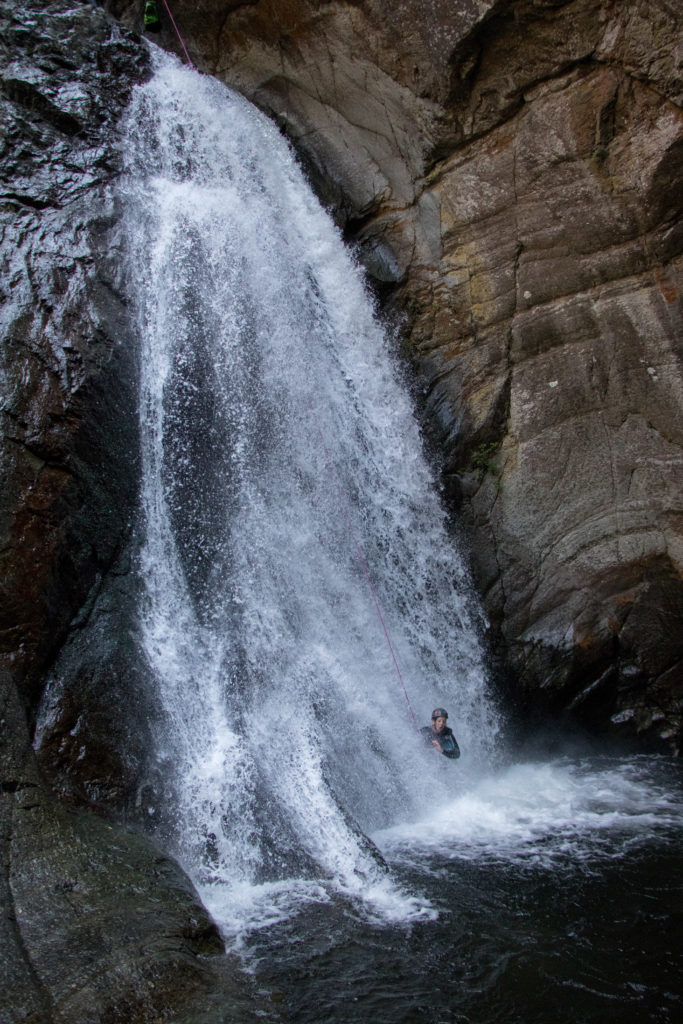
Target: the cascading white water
(277, 435)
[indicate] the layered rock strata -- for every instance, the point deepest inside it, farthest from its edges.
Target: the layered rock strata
(511, 171)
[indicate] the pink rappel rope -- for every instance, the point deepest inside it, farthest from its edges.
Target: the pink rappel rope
(177, 32)
(365, 567)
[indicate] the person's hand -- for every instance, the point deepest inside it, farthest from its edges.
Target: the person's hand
(437, 745)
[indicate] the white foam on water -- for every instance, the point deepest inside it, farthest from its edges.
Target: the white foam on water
(544, 814)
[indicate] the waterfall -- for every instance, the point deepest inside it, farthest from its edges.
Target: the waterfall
(280, 458)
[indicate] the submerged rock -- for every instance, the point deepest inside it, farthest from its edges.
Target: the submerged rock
(512, 173)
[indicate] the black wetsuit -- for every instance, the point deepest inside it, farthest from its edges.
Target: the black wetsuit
(449, 744)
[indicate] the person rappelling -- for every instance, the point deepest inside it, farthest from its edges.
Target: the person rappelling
(439, 736)
(152, 22)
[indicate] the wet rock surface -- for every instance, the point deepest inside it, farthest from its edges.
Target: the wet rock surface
(96, 924)
(68, 359)
(512, 174)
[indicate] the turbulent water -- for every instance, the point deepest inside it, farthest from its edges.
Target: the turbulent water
(305, 606)
(558, 888)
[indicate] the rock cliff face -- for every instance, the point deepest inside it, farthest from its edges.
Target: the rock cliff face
(511, 172)
(96, 924)
(68, 360)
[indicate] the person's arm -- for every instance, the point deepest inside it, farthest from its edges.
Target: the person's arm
(426, 733)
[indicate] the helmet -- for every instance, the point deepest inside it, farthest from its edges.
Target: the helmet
(439, 713)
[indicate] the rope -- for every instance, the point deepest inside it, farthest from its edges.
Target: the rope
(365, 566)
(177, 32)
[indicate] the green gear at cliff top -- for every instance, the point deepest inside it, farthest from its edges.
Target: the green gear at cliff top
(152, 16)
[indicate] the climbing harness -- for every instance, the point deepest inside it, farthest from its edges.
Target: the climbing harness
(364, 564)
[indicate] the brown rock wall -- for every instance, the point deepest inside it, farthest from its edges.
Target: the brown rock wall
(558, 248)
